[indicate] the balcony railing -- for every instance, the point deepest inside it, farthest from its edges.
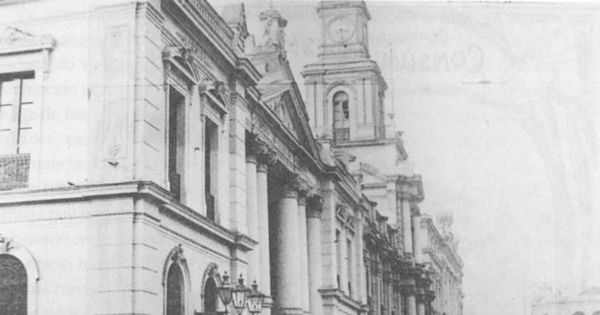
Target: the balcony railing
(14, 171)
(341, 134)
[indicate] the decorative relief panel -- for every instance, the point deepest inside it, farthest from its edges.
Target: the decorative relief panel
(14, 171)
(116, 83)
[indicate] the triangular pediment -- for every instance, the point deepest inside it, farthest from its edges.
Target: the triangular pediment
(13, 40)
(283, 108)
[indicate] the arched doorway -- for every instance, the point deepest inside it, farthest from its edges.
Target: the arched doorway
(13, 286)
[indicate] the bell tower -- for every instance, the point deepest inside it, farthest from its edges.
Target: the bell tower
(344, 88)
(344, 29)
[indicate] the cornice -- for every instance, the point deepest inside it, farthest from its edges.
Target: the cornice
(339, 296)
(201, 20)
(144, 189)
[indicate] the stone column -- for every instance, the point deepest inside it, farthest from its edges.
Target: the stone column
(406, 223)
(264, 159)
(420, 304)
(303, 250)
(252, 219)
(313, 213)
(361, 286)
(417, 235)
(343, 267)
(288, 285)
(411, 303)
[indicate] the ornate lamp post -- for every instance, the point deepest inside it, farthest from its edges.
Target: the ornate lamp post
(239, 294)
(225, 291)
(255, 300)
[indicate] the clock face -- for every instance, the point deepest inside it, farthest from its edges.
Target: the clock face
(341, 29)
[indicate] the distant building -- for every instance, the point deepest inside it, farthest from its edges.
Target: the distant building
(551, 303)
(444, 264)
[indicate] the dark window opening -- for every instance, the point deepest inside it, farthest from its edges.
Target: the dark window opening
(174, 291)
(210, 167)
(13, 286)
(210, 296)
(338, 247)
(341, 114)
(176, 141)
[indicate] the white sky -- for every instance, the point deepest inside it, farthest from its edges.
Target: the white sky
(498, 104)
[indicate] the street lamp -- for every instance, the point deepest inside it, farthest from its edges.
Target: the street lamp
(255, 300)
(239, 294)
(225, 291)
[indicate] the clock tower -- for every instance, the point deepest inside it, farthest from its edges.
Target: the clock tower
(344, 87)
(344, 30)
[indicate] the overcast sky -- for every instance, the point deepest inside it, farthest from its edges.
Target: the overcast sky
(498, 104)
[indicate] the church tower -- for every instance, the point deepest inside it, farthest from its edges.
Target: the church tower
(345, 89)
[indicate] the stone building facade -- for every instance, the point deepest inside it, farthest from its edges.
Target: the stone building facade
(149, 147)
(441, 259)
(549, 302)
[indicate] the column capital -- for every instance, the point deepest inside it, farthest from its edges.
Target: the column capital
(421, 297)
(262, 152)
(314, 206)
(291, 186)
(306, 189)
(408, 290)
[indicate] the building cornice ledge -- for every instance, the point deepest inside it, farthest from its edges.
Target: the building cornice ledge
(145, 189)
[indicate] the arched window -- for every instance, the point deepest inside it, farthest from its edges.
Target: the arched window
(175, 291)
(210, 296)
(341, 114)
(13, 286)
(340, 105)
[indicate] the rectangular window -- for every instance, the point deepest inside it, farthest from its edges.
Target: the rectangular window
(338, 247)
(176, 141)
(349, 265)
(210, 167)
(16, 112)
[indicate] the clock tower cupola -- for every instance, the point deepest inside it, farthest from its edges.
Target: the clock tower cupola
(344, 32)
(344, 87)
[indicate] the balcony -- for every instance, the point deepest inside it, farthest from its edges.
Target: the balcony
(14, 171)
(341, 134)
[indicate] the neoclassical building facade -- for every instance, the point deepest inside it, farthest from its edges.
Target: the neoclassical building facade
(149, 147)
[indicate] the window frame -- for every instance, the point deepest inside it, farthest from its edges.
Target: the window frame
(23, 52)
(17, 106)
(180, 86)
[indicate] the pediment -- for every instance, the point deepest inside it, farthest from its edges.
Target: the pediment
(283, 107)
(14, 40)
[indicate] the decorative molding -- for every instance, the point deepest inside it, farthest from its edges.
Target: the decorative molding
(206, 13)
(180, 59)
(16, 41)
(291, 186)
(216, 93)
(176, 254)
(6, 244)
(264, 153)
(314, 206)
